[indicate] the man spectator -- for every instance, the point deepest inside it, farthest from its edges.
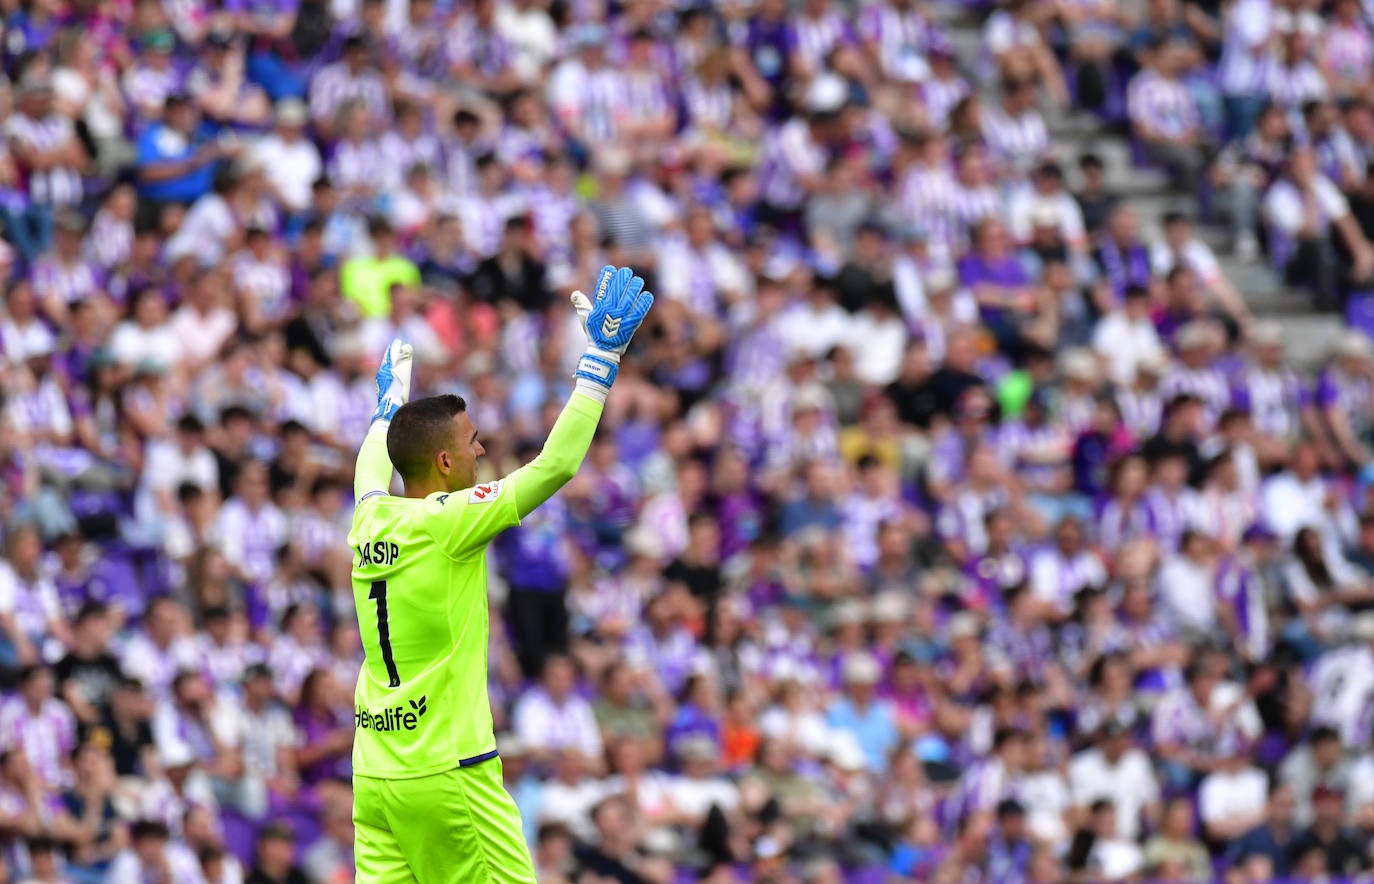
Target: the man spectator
(177, 159)
(1164, 116)
(553, 718)
(1114, 769)
(1310, 221)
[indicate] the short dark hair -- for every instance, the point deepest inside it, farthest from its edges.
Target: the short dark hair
(419, 430)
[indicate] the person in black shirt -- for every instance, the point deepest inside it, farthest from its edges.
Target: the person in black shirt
(1179, 436)
(276, 855)
(912, 393)
(1344, 855)
(86, 677)
(91, 803)
(129, 724)
(513, 273)
(957, 375)
(698, 568)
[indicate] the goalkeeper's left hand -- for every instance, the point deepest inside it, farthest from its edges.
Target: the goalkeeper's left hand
(610, 321)
(393, 380)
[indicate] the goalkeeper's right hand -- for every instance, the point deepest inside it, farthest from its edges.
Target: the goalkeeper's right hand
(393, 380)
(610, 321)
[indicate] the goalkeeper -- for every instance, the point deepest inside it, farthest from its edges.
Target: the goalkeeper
(429, 804)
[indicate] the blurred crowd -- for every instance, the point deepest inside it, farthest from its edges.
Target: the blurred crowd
(950, 522)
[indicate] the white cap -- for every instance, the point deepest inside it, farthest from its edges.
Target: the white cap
(889, 607)
(962, 625)
(847, 613)
(1044, 214)
(175, 753)
(1197, 333)
(940, 279)
(1362, 627)
(1266, 333)
(1353, 345)
(845, 752)
(826, 93)
(860, 667)
(1078, 363)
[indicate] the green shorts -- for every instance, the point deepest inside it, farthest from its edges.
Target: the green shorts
(460, 826)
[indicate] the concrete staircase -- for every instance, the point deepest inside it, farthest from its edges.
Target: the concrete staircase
(1307, 333)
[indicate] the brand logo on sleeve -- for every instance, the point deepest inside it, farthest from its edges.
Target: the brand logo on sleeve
(485, 493)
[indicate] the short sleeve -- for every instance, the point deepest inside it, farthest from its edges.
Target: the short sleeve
(1333, 202)
(1283, 209)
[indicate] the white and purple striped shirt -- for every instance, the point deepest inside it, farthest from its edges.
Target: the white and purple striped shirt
(266, 282)
(1170, 514)
(940, 98)
(925, 199)
(1208, 384)
(46, 737)
(485, 49)
(964, 518)
(156, 667)
(647, 95)
(110, 240)
(901, 36)
(788, 154)
(1163, 105)
(1017, 143)
(1057, 580)
(1119, 524)
(970, 205)
(1274, 398)
(1292, 86)
(68, 283)
(709, 108)
(357, 164)
(148, 86)
(250, 538)
(399, 153)
(56, 186)
(336, 85)
(1348, 51)
(813, 39)
(1142, 411)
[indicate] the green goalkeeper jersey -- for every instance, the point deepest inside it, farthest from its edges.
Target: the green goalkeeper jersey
(420, 588)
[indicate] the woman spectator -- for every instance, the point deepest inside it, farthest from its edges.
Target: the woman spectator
(325, 735)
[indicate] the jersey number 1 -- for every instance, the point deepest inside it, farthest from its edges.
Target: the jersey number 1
(378, 595)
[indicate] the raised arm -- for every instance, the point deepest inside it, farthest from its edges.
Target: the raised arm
(372, 475)
(610, 320)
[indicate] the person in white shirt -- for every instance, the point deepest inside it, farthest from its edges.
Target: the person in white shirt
(1116, 770)
(1179, 246)
(1297, 498)
(1231, 799)
(290, 161)
(551, 717)
(146, 337)
(1306, 211)
(1126, 338)
(1248, 27)
(1187, 584)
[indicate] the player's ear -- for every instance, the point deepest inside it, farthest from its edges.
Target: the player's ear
(444, 463)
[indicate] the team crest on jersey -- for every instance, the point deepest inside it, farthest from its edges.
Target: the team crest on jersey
(485, 493)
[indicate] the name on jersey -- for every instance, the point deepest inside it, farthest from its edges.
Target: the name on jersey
(391, 718)
(378, 552)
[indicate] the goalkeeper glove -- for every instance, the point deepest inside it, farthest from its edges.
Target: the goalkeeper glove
(610, 320)
(393, 380)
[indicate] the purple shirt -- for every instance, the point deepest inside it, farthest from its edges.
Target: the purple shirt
(976, 270)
